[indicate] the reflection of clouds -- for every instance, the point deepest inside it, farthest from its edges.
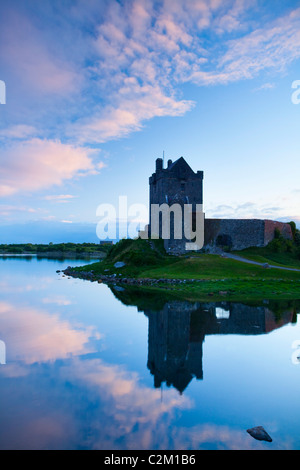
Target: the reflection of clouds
(10, 285)
(132, 414)
(33, 335)
(96, 405)
(57, 299)
(218, 436)
(92, 405)
(51, 430)
(223, 437)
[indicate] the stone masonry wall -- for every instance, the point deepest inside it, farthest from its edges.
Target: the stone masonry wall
(271, 225)
(234, 233)
(239, 234)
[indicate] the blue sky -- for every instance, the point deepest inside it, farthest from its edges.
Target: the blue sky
(97, 90)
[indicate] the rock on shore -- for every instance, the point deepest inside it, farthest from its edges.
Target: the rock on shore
(259, 433)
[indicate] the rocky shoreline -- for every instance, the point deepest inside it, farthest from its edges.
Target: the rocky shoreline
(222, 288)
(119, 279)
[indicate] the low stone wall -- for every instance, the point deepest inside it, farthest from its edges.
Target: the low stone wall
(239, 234)
(233, 233)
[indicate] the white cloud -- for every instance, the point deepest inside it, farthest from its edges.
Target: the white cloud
(136, 105)
(144, 52)
(265, 86)
(7, 210)
(18, 131)
(279, 208)
(60, 198)
(272, 46)
(138, 53)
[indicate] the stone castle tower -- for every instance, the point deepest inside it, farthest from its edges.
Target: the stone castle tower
(176, 184)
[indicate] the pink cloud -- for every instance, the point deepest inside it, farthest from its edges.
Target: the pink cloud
(145, 52)
(7, 210)
(126, 397)
(18, 131)
(139, 55)
(38, 164)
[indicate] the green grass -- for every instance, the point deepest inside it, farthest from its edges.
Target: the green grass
(203, 276)
(266, 255)
(280, 251)
(138, 255)
(230, 278)
(238, 291)
(206, 266)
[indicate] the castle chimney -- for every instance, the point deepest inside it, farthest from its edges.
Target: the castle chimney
(159, 164)
(169, 163)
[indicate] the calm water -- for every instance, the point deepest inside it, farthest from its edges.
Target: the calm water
(82, 367)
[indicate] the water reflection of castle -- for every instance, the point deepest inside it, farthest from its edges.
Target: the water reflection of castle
(177, 331)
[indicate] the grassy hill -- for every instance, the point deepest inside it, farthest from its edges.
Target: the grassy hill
(267, 255)
(201, 275)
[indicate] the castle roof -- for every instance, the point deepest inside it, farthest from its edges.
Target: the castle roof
(181, 169)
(180, 164)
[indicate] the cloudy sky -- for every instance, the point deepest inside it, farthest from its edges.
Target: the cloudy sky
(96, 90)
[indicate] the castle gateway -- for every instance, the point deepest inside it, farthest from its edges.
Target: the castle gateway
(179, 189)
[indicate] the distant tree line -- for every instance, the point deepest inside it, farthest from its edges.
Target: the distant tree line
(75, 248)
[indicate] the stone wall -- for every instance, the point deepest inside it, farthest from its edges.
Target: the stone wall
(284, 229)
(238, 234)
(233, 233)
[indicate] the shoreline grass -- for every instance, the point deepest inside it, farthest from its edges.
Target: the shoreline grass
(197, 276)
